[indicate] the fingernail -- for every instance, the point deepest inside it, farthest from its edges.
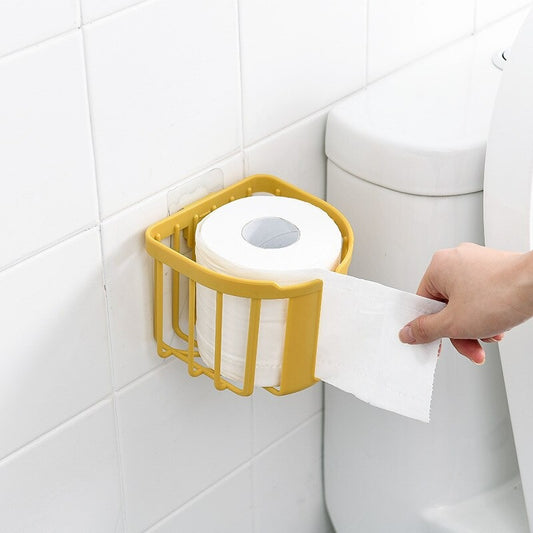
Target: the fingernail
(406, 335)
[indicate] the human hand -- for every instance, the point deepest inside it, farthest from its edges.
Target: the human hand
(487, 292)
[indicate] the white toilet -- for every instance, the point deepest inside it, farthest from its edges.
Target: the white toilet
(406, 166)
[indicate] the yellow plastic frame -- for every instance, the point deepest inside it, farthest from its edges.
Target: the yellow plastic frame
(304, 299)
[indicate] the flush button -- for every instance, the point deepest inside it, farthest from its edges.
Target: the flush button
(500, 57)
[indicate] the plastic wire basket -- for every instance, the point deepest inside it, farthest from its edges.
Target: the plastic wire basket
(304, 299)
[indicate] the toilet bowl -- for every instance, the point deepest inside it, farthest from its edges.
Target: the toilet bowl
(406, 160)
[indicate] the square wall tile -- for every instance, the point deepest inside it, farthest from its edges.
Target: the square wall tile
(275, 416)
(288, 493)
(54, 359)
(46, 159)
(129, 275)
(298, 57)
(224, 508)
(31, 21)
(400, 32)
(488, 11)
(129, 282)
(164, 90)
(94, 9)
(295, 154)
(67, 481)
(178, 436)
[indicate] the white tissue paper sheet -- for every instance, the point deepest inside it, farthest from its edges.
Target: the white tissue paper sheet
(358, 346)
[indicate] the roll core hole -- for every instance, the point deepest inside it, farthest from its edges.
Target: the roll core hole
(270, 232)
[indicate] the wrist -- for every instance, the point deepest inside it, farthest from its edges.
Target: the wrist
(524, 283)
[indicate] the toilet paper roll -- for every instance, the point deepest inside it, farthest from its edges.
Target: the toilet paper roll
(289, 241)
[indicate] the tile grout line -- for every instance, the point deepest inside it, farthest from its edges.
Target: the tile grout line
(145, 375)
(244, 173)
(451, 43)
(91, 125)
(118, 446)
(322, 469)
(56, 429)
(248, 463)
(194, 173)
(199, 495)
(241, 88)
(297, 122)
(78, 26)
(119, 11)
(289, 434)
(502, 17)
(367, 40)
(79, 14)
(39, 43)
(45, 248)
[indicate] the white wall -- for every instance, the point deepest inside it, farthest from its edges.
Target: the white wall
(104, 106)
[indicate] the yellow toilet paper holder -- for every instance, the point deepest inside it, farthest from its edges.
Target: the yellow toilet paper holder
(304, 299)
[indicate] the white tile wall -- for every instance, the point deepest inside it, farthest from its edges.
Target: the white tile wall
(298, 57)
(488, 11)
(67, 481)
(123, 441)
(45, 147)
(54, 360)
(295, 154)
(94, 9)
(275, 416)
(163, 82)
(288, 481)
(128, 276)
(399, 32)
(226, 507)
(28, 22)
(178, 436)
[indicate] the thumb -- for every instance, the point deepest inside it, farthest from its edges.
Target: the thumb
(425, 328)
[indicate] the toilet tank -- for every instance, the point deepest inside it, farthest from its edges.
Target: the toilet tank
(405, 165)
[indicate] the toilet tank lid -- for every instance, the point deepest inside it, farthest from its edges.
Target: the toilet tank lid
(423, 129)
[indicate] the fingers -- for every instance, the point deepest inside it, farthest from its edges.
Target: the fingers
(471, 349)
(494, 338)
(425, 328)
